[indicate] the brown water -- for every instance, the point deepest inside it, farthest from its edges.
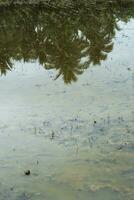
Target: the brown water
(66, 102)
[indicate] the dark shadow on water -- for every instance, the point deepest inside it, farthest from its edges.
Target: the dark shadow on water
(68, 39)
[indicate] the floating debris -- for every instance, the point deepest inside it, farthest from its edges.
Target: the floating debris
(27, 172)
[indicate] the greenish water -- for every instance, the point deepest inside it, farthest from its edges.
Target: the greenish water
(66, 101)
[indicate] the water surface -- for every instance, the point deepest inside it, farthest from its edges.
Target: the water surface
(66, 101)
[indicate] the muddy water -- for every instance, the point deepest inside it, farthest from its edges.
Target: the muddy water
(66, 103)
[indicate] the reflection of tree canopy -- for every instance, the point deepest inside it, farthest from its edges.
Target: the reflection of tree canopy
(68, 40)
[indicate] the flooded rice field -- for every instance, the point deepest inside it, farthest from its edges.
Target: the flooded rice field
(67, 101)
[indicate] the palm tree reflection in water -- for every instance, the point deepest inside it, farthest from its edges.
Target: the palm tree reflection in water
(68, 41)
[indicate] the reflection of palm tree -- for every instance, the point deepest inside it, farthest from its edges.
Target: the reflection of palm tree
(67, 43)
(67, 53)
(98, 50)
(5, 62)
(100, 34)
